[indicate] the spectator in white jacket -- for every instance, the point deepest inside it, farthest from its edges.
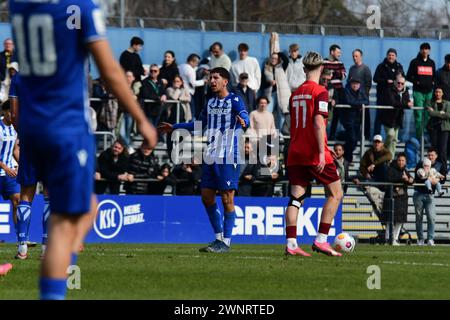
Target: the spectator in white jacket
(187, 73)
(295, 73)
(248, 65)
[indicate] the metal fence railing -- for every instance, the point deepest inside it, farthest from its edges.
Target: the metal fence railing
(363, 125)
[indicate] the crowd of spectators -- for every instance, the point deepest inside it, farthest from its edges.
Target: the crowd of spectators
(265, 90)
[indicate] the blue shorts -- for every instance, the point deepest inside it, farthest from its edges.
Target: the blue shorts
(27, 175)
(8, 187)
(220, 176)
(66, 165)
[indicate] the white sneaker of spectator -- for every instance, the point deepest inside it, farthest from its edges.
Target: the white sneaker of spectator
(431, 243)
(395, 243)
(420, 242)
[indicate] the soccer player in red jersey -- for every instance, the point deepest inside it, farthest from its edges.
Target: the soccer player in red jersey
(310, 158)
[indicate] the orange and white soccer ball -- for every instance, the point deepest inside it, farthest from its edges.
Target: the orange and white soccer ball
(344, 243)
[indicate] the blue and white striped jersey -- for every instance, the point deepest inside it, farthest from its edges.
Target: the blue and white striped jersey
(8, 137)
(219, 118)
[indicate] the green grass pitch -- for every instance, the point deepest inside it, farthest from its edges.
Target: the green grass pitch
(113, 271)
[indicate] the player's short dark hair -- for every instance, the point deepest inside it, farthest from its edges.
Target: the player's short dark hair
(6, 105)
(243, 47)
(222, 72)
(432, 149)
(193, 56)
(334, 47)
(358, 50)
(136, 41)
(402, 154)
(262, 98)
(216, 44)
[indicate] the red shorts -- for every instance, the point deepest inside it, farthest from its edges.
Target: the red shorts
(303, 175)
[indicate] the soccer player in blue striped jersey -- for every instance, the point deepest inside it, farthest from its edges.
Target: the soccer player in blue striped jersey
(9, 188)
(53, 41)
(223, 116)
(28, 180)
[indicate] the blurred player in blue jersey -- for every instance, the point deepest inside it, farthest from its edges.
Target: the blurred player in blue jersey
(28, 181)
(223, 116)
(53, 41)
(9, 188)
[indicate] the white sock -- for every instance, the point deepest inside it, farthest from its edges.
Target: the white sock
(321, 238)
(219, 236)
(23, 248)
(44, 247)
(227, 241)
(292, 243)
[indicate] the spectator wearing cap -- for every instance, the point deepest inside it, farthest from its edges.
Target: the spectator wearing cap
(422, 73)
(384, 78)
(246, 64)
(362, 72)
(295, 73)
(130, 59)
(396, 96)
(443, 78)
(375, 161)
(188, 74)
(247, 94)
(355, 96)
(218, 58)
(6, 57)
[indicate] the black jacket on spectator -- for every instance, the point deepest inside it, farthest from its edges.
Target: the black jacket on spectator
(393, 118)
(110, 170)
(131, 61)
(3, 64)
(152, 91)
(141, 167)
(422, 74)
(439, 168)
(187, 182)
(264, 186)
(245, 186)
(356, 98)
(168, 72)
(384, 72)
(443, 80)
(158, 187)
(400, 194)
(249, 97)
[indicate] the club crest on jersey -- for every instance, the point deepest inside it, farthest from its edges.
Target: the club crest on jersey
(82, 157)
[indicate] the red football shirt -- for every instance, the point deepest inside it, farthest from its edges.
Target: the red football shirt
(309, 100)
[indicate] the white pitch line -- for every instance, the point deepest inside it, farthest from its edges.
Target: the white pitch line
(419, 264)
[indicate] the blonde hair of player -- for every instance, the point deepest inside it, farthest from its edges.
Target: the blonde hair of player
(313, 66)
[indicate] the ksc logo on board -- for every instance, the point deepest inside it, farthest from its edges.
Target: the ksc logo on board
(111, 218)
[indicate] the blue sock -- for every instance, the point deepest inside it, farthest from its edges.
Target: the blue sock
(23, 220)
(228, 225)
(45, 216)
(73, 259)
(52, 289)
(215, 218)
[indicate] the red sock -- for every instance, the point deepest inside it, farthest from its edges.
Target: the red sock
(291, 232)
(324, 228)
